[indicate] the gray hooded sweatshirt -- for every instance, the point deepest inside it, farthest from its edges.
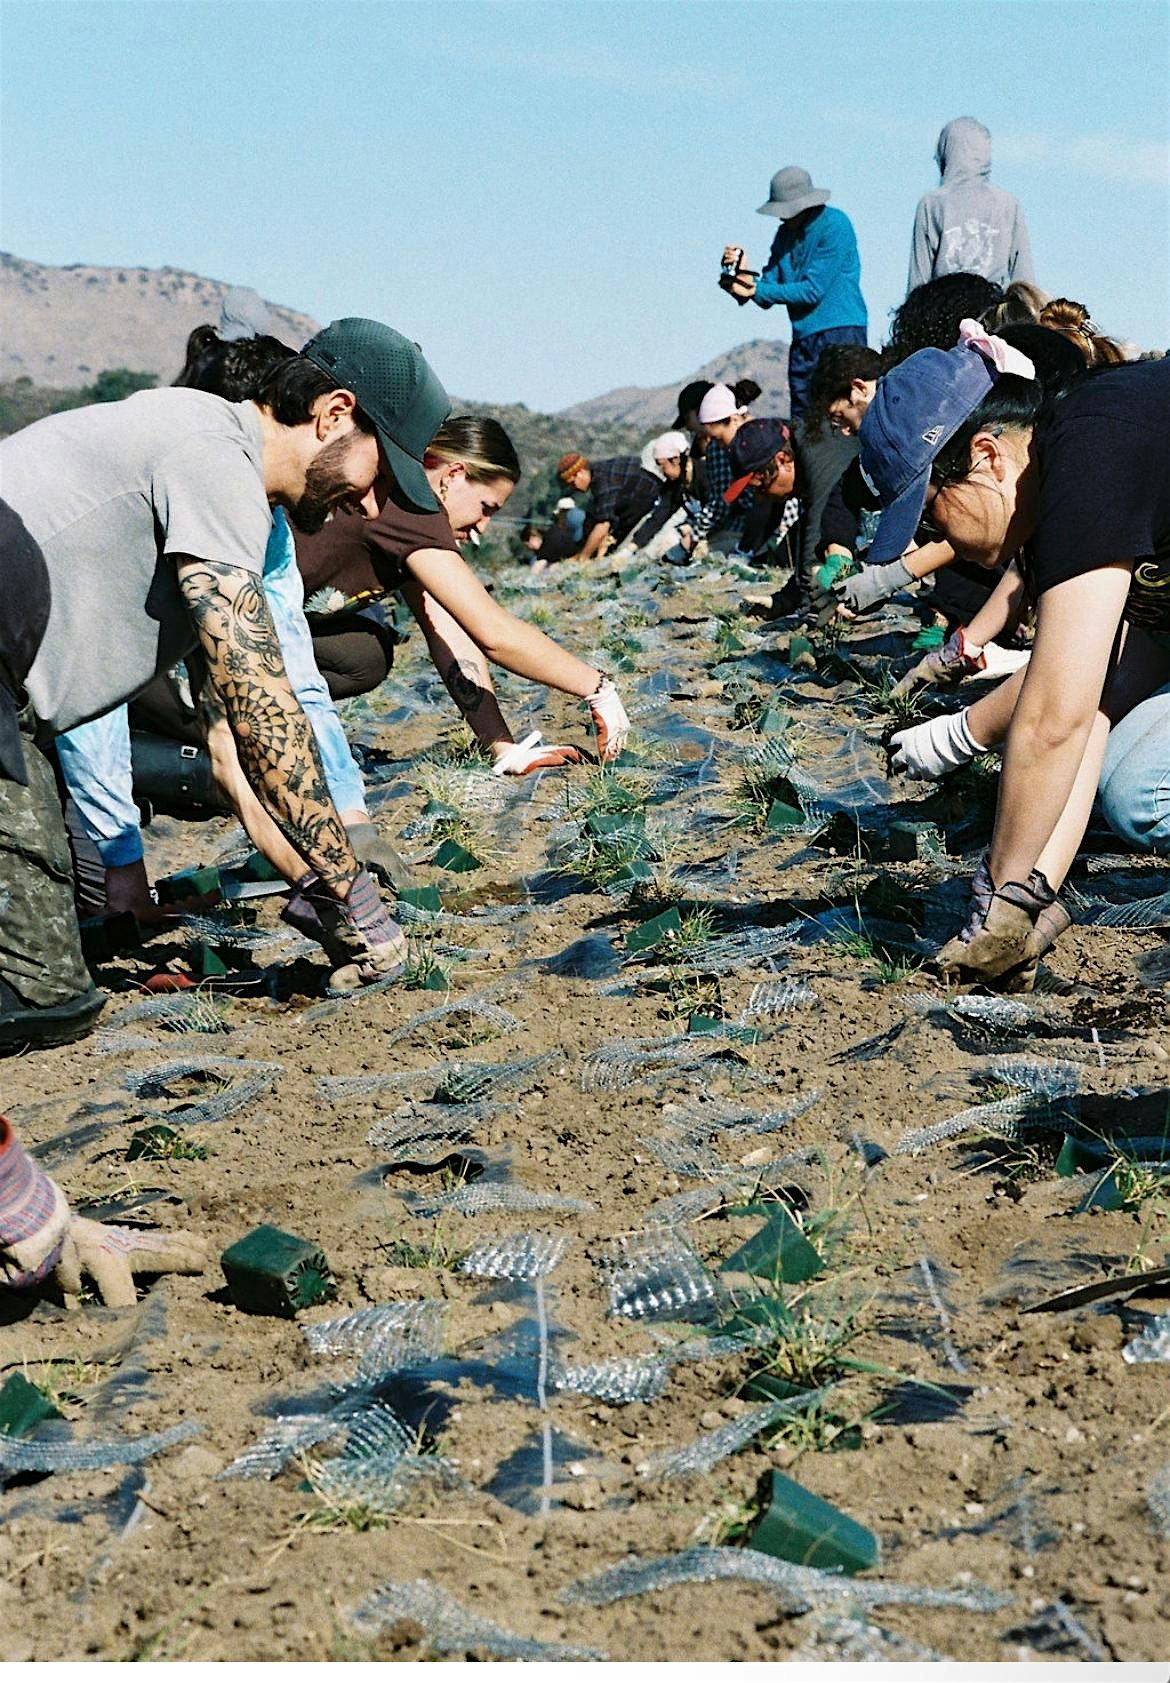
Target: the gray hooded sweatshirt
(967, 225)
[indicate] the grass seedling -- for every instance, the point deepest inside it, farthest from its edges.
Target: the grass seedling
(437, 1251)
(729, 636)
(66, 1381)
(423, 969)
(877, 693)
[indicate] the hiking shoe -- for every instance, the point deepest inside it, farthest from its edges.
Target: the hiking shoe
(25, 1027)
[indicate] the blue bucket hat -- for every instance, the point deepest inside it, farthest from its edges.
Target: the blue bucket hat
(917, 408)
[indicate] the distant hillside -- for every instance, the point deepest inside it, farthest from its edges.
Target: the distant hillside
(63, 326)
(652, 408)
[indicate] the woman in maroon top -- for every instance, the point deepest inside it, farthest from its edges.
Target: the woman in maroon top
(392, 545)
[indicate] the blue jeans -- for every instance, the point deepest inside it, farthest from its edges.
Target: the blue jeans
(95, 757)
(803, 355)
(1135, 779)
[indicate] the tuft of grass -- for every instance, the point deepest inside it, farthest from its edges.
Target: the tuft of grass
(422, 963)
(438, 1250)
(66, 1380)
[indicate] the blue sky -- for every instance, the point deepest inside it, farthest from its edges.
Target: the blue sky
(539, 190)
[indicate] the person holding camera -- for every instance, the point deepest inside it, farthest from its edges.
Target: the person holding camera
(813, 269)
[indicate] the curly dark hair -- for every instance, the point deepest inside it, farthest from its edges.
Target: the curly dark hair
(930, 315)
(231, 368)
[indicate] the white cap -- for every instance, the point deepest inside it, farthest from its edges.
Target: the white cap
(565, 502)
(670, 444)
(718, 405)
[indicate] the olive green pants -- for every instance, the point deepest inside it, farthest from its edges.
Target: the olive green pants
(40, 944)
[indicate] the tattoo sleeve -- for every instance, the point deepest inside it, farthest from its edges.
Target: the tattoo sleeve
(274, 739)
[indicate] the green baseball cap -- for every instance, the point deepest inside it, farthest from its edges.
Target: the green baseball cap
(394, 385)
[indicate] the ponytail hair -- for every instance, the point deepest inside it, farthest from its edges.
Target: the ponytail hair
(1014, 403)
(1066, 316)
(745, 392)
(480, 444)
(230, 368)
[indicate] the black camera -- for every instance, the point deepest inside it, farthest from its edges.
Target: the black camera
(729, 269)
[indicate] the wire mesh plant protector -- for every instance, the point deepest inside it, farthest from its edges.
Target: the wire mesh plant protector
(708, 1113)
(796, 1589)
(481, 1006)
(834, 1639)
(1152, 1344)
(706, 1452)
(1040, 1085)
(376, 1470)
(516, 1256)
(244, 1079)
(386, 1339)
(35, 1456)
(624, 1063)
(451, 1628)
(642, 1378)
(656, 1275)
(776, 998)
(414, 1132)
(341, 1089)
(1012, 1015)
(485, 1197)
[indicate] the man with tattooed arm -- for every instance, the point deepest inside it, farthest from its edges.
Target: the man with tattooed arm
(132, 533)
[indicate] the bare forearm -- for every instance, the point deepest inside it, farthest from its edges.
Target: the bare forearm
(1001, 612)
(1039, 776)
(461, 664)
(274, 740)
(989, 718)
(595, 541)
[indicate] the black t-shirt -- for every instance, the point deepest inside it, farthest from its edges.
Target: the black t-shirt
(558, 544)
(1104, 494)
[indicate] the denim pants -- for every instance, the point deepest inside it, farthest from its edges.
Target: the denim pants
(803, 355)
(1135, 779)
(95, 757)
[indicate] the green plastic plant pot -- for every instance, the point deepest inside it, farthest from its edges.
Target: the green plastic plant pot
(777, 1251)
(795, 1525)
(23, 1405)
(270, 1272)
(424, 899)
(656, 929)
(912, 840)
(188, 885)
(452, 857)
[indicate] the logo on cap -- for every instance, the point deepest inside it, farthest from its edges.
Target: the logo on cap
(933, 435)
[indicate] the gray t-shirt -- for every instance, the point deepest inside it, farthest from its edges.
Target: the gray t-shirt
(111, 493)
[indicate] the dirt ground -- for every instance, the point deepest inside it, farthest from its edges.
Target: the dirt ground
(988, 1449)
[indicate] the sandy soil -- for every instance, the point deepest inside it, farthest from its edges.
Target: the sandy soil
(1024, 1473)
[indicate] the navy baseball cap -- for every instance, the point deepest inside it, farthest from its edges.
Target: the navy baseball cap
(917, 408)
(755, 445)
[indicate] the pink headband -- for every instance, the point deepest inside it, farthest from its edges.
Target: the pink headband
(1004, 358)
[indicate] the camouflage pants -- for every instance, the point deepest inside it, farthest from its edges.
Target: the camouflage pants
(40, 944)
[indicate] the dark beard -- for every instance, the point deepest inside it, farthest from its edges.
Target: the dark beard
(326, 485)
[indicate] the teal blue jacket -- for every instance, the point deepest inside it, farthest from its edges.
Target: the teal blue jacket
(815, 271)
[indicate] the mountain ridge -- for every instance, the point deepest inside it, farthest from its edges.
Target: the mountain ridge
(64, 324)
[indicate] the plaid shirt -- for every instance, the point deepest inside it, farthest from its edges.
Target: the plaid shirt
(623, 494)
(715, 512)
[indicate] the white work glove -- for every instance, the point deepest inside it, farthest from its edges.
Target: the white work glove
(610, 720)
(873, 585)
(534, 754)
(934, 748)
